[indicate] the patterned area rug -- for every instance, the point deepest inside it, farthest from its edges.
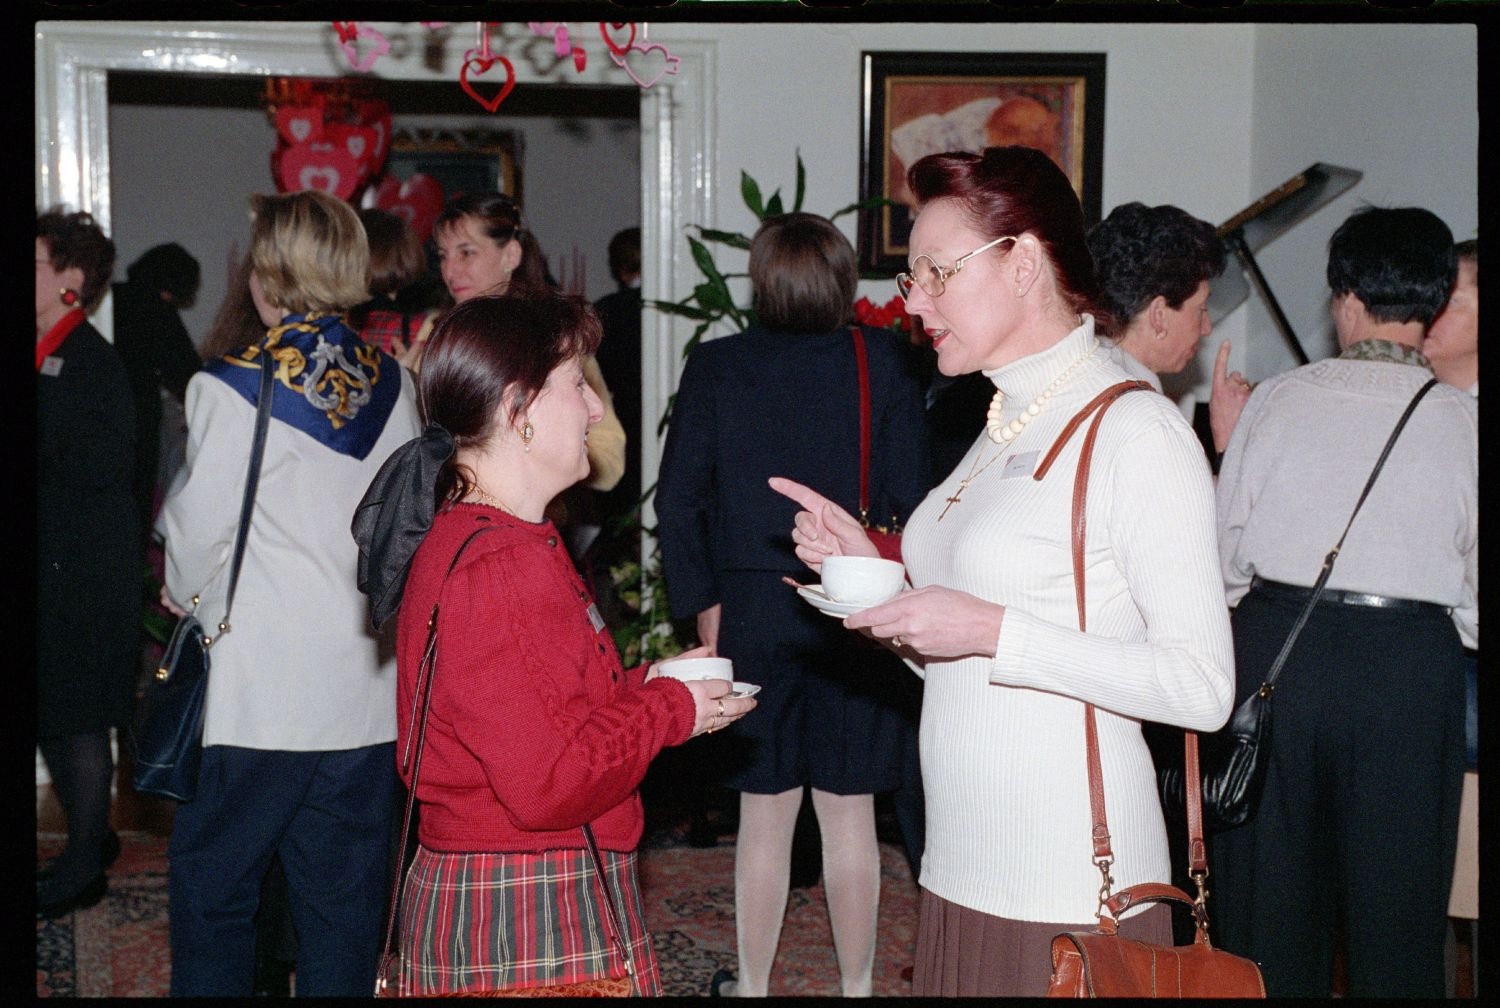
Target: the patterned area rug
(119, 947)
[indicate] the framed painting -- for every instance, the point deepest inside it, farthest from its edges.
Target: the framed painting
(920, 103)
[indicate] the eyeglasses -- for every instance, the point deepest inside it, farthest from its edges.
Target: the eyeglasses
(928, 275)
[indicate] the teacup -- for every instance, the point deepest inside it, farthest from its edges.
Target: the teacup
(859, 580)
(688, 669)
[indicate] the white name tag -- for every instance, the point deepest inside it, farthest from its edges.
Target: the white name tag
(1019, 465)
(595, 618)
(52, 366)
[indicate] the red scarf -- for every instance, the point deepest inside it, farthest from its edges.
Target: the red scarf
(60, 331)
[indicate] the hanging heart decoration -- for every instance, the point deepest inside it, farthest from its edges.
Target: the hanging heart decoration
(359, 143)
(300, 123)
(379, 45)
(418, 201)
(348, 31)
(482, 65)
(580, 58)
(609, 29)
(322, 165)
(643, 76)
(376, 115)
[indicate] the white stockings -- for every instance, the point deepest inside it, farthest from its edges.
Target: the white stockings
(762, 873)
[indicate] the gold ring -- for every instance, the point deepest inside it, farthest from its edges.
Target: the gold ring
(896, 640)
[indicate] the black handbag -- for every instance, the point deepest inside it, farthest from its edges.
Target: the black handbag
(167, 732)
(1234, 758)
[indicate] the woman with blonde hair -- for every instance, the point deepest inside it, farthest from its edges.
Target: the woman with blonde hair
(300, 717)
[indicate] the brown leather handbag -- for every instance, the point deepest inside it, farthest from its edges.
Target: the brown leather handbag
(1101, 963)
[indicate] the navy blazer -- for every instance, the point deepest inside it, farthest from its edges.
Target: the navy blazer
(762, 404)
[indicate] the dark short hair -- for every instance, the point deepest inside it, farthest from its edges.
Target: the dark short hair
(1399, 261)
(499, 217)
(75, 239)
(396, 257)
(802, 274)
(168, 267)
(625, 252)
(1011, 190)
(490, 346)
(1141, 252)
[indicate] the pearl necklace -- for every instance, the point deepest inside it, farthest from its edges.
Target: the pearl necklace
(1009, 432)
(1005, 434)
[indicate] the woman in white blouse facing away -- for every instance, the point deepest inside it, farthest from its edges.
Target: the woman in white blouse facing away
(1002, 279)
(300, 723)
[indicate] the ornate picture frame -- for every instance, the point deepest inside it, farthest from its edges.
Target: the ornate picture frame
(919, 103)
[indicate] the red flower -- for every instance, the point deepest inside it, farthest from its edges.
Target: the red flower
(891, 315)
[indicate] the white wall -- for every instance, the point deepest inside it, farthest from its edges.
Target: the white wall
(1397, 102)
(1207, 116)
(184, 174)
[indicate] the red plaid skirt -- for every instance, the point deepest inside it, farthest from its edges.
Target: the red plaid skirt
(474, 922)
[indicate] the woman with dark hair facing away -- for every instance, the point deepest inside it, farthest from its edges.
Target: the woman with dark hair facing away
(485, 248)
(1359, 815)
(1155, 266)
(300, 716)
(783, 397)
(1003, 282)
(396, 317)
(534, 729)
(89, 552)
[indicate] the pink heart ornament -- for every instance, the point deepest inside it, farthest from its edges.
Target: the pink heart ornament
(668, 65)
(380, 46)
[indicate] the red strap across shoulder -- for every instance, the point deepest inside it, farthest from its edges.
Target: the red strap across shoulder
(862, 365)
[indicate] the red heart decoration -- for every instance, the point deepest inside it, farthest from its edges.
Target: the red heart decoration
(418, 200)
(359, 143)
(323, 166)
(483, 65)
(605, 30)
(580, 58)
(376, 115)
(300, 123)
(348, 30)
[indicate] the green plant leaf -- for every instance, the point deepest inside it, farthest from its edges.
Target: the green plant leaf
(714, 296)
(705, 261)
(731, 238)
(773, 205)
(801, 184)
(750, 191)
(680, 308)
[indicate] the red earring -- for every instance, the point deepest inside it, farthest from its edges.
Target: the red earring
(69, 296)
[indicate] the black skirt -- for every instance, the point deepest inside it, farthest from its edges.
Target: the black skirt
(834, 708)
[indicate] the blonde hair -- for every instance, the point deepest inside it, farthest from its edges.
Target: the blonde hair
(309, 252)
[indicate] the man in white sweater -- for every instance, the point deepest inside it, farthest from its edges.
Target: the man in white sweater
(1360, 810)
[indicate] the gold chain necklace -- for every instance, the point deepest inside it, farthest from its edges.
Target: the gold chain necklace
(1004, 435)
(485, 497)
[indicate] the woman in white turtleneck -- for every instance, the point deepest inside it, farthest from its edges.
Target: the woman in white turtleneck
(1003, 282)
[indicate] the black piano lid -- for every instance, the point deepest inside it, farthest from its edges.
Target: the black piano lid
(1267, 219)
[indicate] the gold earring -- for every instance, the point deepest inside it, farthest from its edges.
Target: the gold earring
(1161, 334)
(527, 433)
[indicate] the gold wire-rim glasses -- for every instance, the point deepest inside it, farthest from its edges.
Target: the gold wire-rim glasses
(905, 281)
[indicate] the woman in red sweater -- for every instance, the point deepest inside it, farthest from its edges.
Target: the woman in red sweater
(534, 729)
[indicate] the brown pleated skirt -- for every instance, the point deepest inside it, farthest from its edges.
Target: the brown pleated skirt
(967, 953)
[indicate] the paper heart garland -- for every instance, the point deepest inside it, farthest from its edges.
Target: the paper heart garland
(380, 45)
(418, 201)
(300, 123)
(580, 58)
(324, 166)
(668, 66)
(482, 65)
(359, 143)
(607, 28)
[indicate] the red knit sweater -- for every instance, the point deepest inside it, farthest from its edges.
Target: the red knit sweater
(534, 727)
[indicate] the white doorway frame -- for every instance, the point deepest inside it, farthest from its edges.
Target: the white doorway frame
(677, 125)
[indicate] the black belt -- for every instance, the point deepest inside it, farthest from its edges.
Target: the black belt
(1345, 597)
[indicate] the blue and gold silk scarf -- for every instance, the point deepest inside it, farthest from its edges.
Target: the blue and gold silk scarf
(344, 389)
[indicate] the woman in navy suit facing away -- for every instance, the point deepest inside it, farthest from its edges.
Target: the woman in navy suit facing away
(782, 398)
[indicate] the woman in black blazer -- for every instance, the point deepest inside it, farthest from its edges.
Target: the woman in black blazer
(90, 555)
(783, 399)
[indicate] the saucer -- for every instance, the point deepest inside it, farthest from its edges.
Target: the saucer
(821, 602)
(744, 689)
